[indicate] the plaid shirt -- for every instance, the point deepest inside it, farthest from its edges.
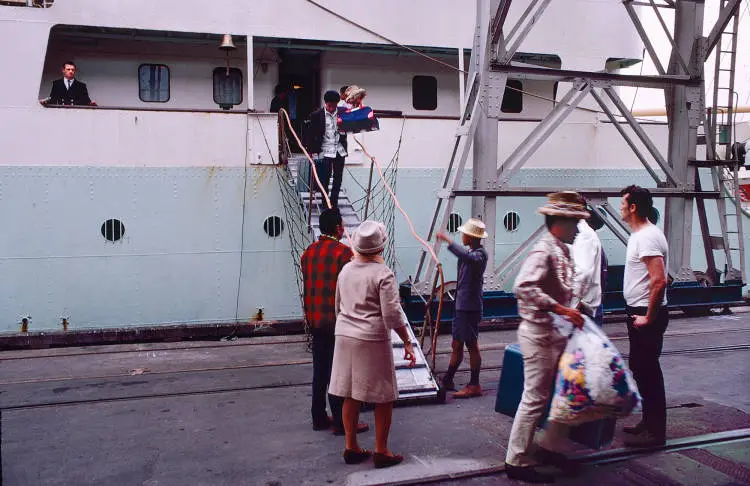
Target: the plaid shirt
(321, 264)
(546, 278)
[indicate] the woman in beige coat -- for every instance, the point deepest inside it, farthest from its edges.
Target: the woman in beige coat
(367, 309)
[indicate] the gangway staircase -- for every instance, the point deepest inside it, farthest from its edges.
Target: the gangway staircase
(414, 384)
(718, 129)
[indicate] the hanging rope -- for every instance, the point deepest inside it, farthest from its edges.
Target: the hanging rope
(439, 277)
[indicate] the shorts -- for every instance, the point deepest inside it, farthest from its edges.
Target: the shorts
(466, 325)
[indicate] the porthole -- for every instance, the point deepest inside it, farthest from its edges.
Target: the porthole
(654, 216)
(113, 230)
(454, 221)
(273, 226)
(511, 221)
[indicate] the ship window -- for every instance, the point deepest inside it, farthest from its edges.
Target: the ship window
(424, 92)
(27, 3)
(511, 221)
(454, 221)
(113, 230)
(153, 83)
(513, 97)
(273, 226)
(227, 87)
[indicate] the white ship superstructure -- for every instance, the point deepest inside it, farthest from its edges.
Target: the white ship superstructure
(161, 205)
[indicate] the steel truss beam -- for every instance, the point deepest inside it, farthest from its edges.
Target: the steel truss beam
(594, 192)
(682, 81)
(536, 138)
(650, 146)
(521, 30)
(614, 79)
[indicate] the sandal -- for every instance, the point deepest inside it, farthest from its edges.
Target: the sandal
(356, 457)
(386, 459)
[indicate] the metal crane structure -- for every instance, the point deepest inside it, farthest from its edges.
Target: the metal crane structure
(677, 174)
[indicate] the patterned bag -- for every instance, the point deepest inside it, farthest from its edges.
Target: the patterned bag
(592, 381)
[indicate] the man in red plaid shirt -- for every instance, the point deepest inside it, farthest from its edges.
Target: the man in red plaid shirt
(321, 264)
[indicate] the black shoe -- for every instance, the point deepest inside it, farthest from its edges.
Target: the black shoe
(636, 429)
(322, 424)
(644, 439)
(528, 474)
(382, 460)
(356, 457)
(560, 461)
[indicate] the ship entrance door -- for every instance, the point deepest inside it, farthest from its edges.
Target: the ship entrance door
(299, 71)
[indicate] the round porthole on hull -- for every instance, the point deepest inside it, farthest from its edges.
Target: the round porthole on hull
(113, 230)
(454, 221)
(511, 221)
(273, 226)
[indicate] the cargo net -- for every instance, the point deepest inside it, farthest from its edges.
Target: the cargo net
(371, 200)
(299, 235)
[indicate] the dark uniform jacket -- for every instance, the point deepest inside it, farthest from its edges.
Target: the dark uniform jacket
(76, 95)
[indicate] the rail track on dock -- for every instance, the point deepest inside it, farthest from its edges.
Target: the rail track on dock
(261, 387)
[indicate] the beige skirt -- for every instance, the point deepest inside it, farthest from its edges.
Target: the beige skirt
(363, 370)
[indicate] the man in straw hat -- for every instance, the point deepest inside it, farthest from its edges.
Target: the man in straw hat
(468, 310)
(543, 286)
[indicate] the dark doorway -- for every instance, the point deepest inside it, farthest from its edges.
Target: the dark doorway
(299, 71)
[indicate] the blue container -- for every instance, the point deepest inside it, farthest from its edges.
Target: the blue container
(594, 435)
(510, 387)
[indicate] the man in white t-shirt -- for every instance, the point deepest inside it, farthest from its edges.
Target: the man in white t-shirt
(644, 289)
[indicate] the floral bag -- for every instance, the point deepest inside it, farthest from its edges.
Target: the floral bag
(592, 381)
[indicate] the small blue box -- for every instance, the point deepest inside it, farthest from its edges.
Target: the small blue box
(594, 435)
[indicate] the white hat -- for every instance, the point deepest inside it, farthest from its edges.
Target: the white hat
(473, 227)
(370, 238)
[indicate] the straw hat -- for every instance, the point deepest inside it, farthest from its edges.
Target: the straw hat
(567, 204)
(353, 92)
(370, 238)
(473, 227)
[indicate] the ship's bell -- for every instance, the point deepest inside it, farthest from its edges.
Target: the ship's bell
(226, 43)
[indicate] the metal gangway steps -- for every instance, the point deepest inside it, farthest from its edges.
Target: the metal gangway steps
(415, 383)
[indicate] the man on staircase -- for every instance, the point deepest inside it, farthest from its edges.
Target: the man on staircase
(322, 141)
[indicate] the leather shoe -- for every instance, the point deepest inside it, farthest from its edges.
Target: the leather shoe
(560, 461)
(469, 391)
(382, 459)
(322, 424)
(636, 429)
(356, 457)
(361, 427)
(528, 474)
(644, 439)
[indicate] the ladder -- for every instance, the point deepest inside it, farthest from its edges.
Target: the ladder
(719, 143)
(414, 383)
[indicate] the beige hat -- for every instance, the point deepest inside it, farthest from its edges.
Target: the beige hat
(353, 92)
(370, 238)
(474, 227)
(567, 204)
